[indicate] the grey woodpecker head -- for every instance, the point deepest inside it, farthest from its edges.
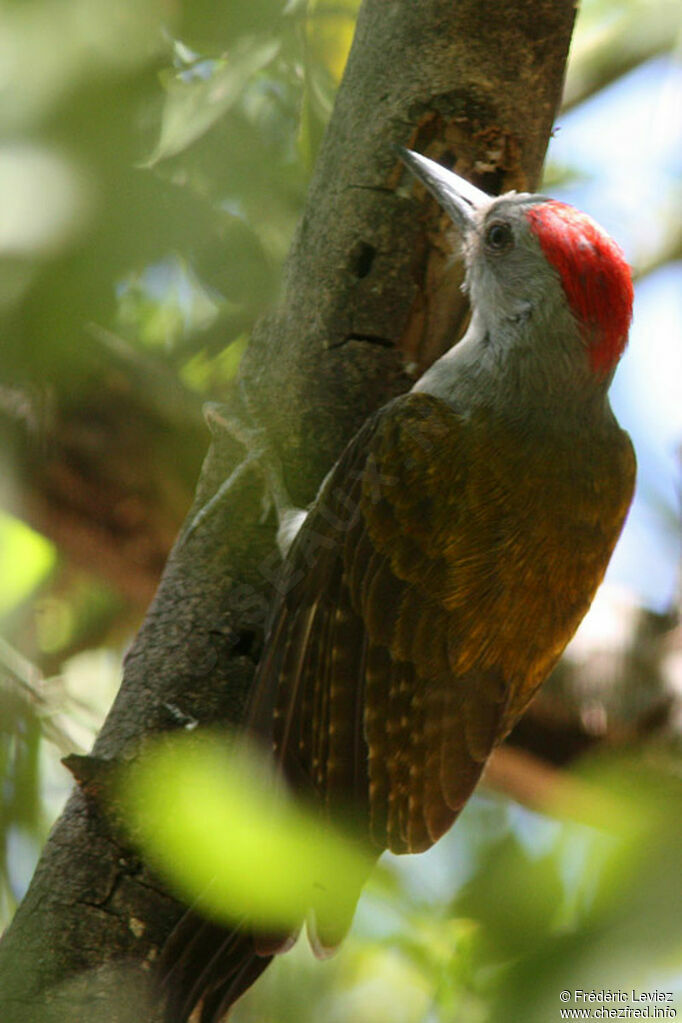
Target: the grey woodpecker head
(534, 264)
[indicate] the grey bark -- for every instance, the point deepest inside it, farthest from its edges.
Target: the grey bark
(370, 298)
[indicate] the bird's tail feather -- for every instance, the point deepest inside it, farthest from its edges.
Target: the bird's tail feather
(205, 963)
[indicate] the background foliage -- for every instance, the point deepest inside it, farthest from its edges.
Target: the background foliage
(154, 163)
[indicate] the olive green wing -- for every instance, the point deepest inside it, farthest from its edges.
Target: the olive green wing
(362, 665)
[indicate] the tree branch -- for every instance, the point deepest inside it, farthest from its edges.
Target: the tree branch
(98, 474)
(370, 298)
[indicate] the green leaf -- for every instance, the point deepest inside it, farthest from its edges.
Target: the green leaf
(194, 103)
(224, 832)
(26, 558)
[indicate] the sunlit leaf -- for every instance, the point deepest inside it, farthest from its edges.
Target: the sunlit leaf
(26, 558)
(203, 372)
(214, 822)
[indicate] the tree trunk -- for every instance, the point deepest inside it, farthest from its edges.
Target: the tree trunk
(370, 298)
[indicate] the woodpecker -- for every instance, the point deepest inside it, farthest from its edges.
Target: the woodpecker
(451, 551)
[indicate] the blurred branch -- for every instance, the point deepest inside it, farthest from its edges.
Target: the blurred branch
(107, 473)
(26, 682)
(612, 51)
(539, 786)
(669, 250)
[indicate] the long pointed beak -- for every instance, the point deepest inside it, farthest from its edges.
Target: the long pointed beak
(458, 197)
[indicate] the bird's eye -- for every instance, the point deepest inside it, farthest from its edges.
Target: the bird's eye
(499, 236)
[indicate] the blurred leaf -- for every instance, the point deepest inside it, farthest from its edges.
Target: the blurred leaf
(195, 102)
(213, 820)
(53, 47)
(165, 303)
(28, 228)
(329, 30)
(211, 28)
(237, 265)
(19, 742)
(515, 916)
(21, 806)
(26, 558)
(208, 374)
(330, 27)
(601, 909)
